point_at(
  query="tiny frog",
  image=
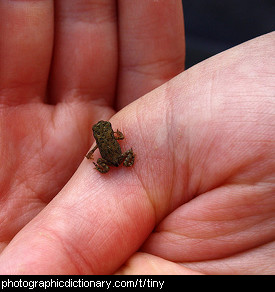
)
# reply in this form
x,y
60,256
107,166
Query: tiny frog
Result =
x,y
109,148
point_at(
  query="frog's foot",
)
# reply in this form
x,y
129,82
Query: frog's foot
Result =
x,y
101,165
119,136
129,158
89,155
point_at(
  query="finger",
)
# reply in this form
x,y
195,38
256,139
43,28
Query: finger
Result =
x,y
152,46
221,223
83,232
241,263
147,264
26,30
85,63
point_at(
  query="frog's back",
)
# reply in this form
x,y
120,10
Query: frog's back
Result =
x,y
112,154
107,144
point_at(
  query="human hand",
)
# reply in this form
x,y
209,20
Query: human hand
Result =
x,y
187,179
62,69
210,180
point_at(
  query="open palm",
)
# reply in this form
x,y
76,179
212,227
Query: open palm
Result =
x,y
201,187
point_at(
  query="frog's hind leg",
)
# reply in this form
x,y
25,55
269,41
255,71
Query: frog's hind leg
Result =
x,y
119,136
101,165
129,158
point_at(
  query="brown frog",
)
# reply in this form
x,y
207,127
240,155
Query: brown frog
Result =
x,y
109,148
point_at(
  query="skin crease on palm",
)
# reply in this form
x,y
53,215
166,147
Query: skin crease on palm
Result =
x,y
200,196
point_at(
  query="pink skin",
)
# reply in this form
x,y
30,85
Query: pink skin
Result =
x,y
200,196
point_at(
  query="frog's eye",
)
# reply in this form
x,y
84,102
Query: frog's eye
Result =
x,y
107,125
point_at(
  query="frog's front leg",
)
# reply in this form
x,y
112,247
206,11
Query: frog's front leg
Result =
x,y
89,155
129,158
119,136
101,165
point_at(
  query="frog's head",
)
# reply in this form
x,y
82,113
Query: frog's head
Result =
x,y
102,126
